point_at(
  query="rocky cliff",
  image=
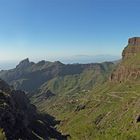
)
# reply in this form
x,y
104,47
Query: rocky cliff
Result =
x,y
129,68
20,120
132,48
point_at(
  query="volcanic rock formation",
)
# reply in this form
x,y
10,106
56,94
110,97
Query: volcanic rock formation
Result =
x,y
129,68
132,48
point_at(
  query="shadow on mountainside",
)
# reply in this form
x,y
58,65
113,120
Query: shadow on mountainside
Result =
x,y
20,120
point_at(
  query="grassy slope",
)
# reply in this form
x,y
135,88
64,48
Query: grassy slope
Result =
x,y
110,111
71,91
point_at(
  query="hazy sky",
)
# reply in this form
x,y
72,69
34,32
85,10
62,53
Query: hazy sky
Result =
x,y
50,29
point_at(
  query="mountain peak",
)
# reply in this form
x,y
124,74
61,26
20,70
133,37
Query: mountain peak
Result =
x,y
26,60
24,63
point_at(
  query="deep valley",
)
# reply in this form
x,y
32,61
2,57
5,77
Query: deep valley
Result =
x,y
97,101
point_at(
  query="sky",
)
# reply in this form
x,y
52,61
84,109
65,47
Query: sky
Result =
x,y
67,30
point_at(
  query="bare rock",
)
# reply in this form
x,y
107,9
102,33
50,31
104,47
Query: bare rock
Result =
x,y
129,68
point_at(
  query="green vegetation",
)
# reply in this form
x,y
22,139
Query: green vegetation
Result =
x,y
110,111
2,135
106,111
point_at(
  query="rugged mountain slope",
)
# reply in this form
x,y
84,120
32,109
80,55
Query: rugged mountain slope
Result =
x,y
129,68
20,120
108,111
101,109
57,77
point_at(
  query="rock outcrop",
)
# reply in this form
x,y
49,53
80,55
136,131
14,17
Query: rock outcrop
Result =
x,y
24,64
132,48
20,120
129,68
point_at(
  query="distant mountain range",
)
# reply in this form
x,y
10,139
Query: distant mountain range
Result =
x,y
30,76
82,59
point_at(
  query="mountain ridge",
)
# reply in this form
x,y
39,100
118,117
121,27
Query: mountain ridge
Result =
x,y
43,71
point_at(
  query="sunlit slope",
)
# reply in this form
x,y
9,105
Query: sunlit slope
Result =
x,y
108,111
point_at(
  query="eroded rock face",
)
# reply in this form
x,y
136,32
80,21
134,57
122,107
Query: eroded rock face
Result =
x,y
135,41
132,48
128,70
123,74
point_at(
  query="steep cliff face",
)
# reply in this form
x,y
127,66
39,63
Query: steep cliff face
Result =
x,y
129,68
132,48
20,120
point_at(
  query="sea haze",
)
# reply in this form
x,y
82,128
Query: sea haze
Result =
x,y
89,59
9,64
